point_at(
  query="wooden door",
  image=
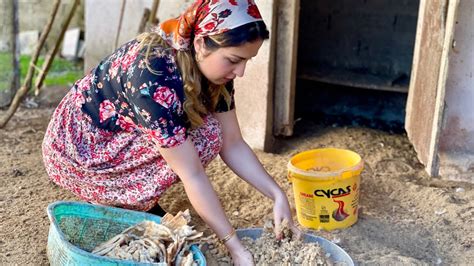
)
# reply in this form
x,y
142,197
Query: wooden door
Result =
x,y
425,105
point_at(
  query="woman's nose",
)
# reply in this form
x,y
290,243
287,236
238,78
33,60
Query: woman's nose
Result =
x,y
240,69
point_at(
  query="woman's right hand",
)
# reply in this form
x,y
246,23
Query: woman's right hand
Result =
x,y
243,258
240,255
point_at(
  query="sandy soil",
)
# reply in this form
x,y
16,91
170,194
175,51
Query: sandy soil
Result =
x,y
406,217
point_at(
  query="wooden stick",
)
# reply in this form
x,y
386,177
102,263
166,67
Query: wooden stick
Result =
x,y
152,19
149,17
145,17
119,29
21,93
50,57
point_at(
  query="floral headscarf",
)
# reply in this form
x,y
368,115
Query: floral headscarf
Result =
x,y
206,18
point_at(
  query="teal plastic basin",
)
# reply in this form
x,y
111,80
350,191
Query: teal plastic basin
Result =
x,y
77,228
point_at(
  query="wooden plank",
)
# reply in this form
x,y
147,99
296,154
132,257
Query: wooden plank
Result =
x,y
424,77
426,92
433,164
286,58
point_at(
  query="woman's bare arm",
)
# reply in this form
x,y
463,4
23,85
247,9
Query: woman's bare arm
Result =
x,y
185,162
237,154
242,160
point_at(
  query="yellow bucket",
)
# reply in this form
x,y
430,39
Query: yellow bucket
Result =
x,y
326,186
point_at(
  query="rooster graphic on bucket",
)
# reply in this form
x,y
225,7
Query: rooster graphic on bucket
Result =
x,y
339,214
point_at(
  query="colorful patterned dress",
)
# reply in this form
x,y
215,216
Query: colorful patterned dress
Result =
x,y
103,138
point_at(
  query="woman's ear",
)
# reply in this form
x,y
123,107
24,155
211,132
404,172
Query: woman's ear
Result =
x,y
199,45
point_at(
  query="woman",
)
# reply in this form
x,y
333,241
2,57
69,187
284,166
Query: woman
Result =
x,y
158,110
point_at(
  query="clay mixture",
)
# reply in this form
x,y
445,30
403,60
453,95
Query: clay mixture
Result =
x,y
405,216
268,250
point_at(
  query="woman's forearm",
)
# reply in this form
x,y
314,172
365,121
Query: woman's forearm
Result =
x,y
243,161
185,162
206,203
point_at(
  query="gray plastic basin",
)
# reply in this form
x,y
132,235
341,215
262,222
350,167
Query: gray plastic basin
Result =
x,y
337,254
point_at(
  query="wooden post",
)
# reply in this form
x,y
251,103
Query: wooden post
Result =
x,y
50,58
119,29
153,20
285,78
15,49
149,18
21,93
143,21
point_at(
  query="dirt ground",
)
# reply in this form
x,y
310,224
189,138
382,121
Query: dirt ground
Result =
x,y
405,217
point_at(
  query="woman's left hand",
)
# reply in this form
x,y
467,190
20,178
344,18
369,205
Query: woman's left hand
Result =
x,y
281,212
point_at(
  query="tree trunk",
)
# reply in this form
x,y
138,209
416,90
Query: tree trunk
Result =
x,y
9,78
15,49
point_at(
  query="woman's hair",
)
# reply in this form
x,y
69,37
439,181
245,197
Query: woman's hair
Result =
x,y
201,101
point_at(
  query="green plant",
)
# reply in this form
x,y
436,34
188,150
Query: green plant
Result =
x,y
62,72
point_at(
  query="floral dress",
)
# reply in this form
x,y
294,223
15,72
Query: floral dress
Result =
x,y
103,138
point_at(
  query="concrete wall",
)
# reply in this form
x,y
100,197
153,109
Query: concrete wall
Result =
x,y
6,30
34,14
254,92
102,21
457,138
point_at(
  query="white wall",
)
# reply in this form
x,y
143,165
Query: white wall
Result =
x,y
33,16
254,91
102,21
457,138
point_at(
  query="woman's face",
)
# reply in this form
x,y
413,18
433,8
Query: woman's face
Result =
x,y
224,64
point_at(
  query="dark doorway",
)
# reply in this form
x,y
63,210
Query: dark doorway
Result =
x,y
354,62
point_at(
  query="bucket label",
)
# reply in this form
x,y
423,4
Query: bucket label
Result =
x,y
333,193
326,204
307,206
324,215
